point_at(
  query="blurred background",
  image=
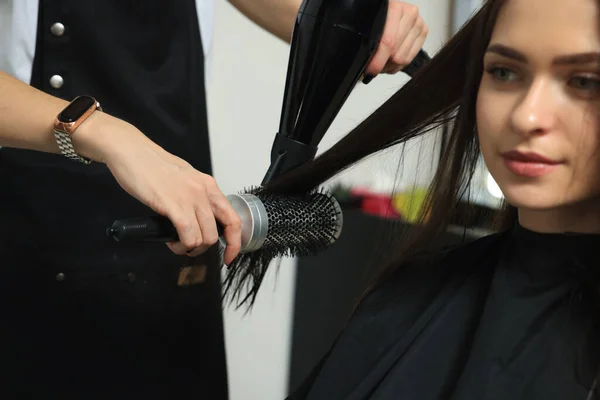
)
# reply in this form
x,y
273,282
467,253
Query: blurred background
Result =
x,y
271,348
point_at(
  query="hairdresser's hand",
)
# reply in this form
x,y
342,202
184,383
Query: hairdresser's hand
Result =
x,y
167,184
403,36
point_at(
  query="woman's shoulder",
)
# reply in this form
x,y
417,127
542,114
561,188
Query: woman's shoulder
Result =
x,y
460,259
467,264
401,306
469,253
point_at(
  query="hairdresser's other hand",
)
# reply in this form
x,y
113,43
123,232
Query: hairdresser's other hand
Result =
x,y
167,184
403,36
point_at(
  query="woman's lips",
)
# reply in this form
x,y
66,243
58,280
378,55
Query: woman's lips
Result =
x,y
531,165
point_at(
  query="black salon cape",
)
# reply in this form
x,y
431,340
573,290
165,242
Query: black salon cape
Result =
x,y
503,318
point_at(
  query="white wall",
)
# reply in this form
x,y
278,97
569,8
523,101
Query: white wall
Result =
x,y
244,94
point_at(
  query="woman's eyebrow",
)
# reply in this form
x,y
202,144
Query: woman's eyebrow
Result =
x,y
568,59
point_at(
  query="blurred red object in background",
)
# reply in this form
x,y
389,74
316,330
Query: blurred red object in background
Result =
x,y
378,204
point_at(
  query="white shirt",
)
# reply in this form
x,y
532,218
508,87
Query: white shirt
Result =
x,y
18,28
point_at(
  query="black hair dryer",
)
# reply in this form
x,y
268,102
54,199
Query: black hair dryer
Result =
x,y
333,42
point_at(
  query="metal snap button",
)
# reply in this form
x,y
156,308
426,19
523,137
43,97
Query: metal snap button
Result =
x,y
57,29
56,81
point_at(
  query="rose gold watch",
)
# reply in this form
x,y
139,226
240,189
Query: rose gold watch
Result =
x,y
69,120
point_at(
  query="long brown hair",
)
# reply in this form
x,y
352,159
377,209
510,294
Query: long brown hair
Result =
x,y
443,93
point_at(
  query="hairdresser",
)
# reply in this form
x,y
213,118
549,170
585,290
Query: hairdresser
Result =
x,y
80,313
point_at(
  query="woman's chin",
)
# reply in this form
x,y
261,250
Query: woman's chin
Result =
x,y
534,198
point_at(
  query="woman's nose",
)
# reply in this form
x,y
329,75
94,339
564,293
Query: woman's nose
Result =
x,y
535,113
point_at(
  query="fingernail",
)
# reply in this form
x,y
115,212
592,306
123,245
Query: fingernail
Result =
x,y
367,79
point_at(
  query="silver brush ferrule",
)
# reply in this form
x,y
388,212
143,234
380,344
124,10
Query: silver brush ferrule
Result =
x,y
339,221
255,223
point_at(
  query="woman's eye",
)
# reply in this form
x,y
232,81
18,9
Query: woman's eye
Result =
x,y
585,83
503,74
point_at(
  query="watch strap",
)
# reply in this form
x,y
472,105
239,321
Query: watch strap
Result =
x,y
63,139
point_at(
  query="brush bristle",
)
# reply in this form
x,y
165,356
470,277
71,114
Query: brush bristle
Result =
x,y
298,226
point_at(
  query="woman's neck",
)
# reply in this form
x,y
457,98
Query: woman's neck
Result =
x,y
577,218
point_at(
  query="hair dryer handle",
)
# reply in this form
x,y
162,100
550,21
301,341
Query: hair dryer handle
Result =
x,y
417,63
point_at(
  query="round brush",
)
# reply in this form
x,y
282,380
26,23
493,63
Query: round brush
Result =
x,y
273,226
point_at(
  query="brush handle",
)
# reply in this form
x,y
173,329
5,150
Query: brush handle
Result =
x,y
156,228
146,229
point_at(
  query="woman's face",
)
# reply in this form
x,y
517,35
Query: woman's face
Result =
x,y
538,112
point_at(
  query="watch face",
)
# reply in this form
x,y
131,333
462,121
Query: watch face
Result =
x,y
76,109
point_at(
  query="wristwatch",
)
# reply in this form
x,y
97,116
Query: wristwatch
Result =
x,y
69,120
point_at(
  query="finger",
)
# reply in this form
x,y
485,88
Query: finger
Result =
x,y
405,23
208,226
188,230
197,251
205,220
179,248
417,45
402,57
378,62
386,45
232,226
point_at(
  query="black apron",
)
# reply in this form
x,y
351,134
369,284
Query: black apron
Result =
x,y
82,315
